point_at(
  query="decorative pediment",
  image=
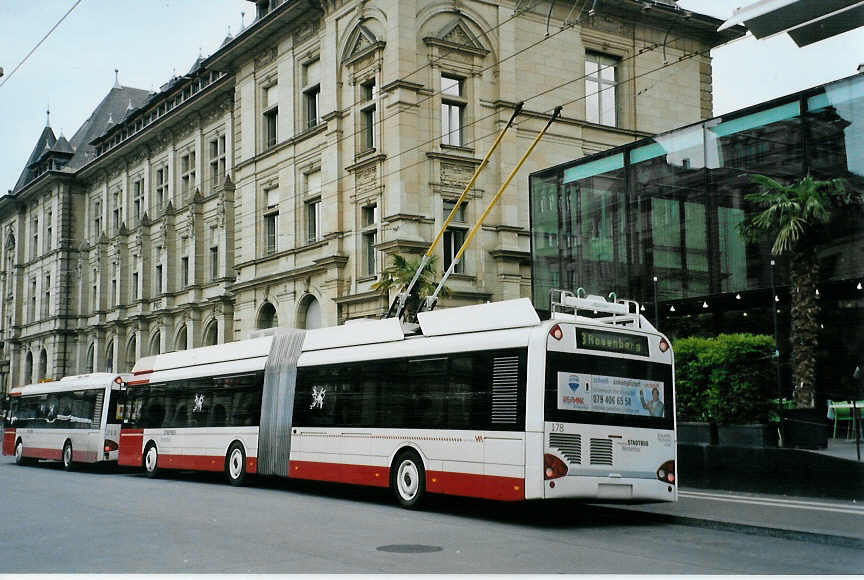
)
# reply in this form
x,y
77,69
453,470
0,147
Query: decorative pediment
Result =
x,y
360,43
457,35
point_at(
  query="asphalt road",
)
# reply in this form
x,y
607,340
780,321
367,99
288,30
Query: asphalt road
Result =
x,y
95,520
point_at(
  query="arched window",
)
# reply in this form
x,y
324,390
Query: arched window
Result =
x,y
211,334
28,368
310,313
109,358
43,365
131,345
156,343
181,342
88,362
267,317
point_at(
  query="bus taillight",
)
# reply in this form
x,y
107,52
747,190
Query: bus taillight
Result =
x,y
664,345
556,332
110,445
667,472
553,468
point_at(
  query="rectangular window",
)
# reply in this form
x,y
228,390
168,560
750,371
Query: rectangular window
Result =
x,y
453,240
454,236
214,263
158,281
46,302
313,219
312,93
271,116
49,228
161,189
184,270
94,292
115,212
367,113
97,217
34,249
369,222
217,160
453,104
114,297
134,286
32,313
600,89
271,221
187,174
137,200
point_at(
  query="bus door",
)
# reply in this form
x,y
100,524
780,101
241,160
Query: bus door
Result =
x,y
113,421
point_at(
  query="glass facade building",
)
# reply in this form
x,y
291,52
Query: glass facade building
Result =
x,y
658,221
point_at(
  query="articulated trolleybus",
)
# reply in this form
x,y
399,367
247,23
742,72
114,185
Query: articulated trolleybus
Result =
x,y
73,420
483,401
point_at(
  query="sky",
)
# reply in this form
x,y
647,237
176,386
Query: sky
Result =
x,y
150,40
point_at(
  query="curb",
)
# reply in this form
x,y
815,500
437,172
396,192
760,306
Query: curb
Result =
x,y
749,529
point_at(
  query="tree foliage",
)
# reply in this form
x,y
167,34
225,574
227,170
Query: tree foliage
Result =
x,y
793,217
399,273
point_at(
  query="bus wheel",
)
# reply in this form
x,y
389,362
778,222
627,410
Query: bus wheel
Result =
x,y
408,479
67,456
19,454
235,464
151,460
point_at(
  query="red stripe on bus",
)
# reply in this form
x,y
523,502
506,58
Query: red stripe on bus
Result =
x,y
9,441
138,382
475,485
251,465
341,473
193,462
14,394
136,373
464,484
43,453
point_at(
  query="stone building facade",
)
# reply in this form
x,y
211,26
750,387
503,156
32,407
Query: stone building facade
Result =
x,y
270,184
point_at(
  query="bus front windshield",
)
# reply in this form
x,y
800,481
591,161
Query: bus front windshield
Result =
x,y
604,390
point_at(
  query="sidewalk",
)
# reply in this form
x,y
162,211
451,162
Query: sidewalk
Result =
x,y
808,519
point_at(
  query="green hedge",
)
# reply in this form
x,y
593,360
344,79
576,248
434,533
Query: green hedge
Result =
x,y
728,379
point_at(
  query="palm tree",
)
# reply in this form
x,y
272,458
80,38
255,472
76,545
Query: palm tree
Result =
x,y
399,274
793,217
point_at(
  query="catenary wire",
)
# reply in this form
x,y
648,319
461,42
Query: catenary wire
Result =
x,y
38,44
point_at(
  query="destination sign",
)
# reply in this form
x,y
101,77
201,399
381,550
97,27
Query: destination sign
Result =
x,y
611,341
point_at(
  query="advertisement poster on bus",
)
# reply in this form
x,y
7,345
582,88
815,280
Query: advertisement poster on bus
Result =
x,y
604,394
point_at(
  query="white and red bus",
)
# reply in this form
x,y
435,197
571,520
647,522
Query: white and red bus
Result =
x,y
73,420
483,401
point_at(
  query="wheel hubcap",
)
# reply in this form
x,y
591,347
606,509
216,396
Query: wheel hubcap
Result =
x,y
151,459
408,480
67,455
19,452
235,464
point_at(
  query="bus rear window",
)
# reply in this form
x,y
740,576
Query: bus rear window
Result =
x,y
611,391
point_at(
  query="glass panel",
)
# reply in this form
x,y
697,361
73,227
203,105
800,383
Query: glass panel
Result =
x,y
451,86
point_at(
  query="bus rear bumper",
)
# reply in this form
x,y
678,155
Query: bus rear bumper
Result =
x,y
611,489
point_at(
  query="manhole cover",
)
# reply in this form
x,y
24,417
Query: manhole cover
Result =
x,y
409,548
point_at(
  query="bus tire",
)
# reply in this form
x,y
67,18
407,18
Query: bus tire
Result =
x,y
151,460
19,454
235,464
408,479
67,456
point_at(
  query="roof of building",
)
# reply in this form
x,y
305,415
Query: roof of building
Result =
x,y
113,107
